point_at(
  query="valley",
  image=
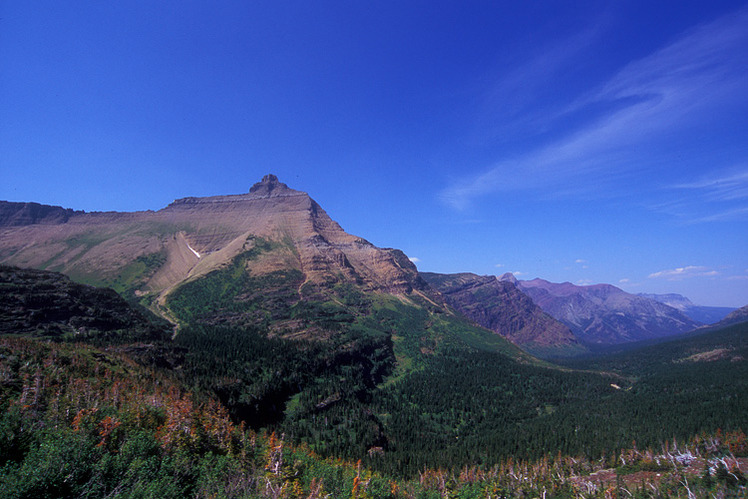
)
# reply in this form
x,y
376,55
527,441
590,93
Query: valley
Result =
x,y
257,318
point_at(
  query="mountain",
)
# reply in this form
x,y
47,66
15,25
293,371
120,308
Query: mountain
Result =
x,y
734,317
500,306
699,313
602,314
153,252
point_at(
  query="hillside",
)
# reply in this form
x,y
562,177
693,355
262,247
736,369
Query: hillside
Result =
x,y
734,317
602,314
49,305
499,306
456,404
76,421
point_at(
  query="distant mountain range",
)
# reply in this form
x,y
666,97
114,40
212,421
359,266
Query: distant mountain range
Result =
x,y
699,313
603,314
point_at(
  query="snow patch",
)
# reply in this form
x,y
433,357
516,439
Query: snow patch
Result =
x,y
195,252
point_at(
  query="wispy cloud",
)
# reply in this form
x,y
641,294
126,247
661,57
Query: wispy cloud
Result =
x,y
731,214
681,273
725,187
713,198
698,74
414,259
530,78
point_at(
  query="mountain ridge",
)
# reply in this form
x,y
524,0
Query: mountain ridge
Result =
x,y
193,236
602,314
500,306
148,254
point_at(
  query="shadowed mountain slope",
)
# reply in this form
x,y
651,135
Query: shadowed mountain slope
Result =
x,y
18,214
47,304
735,317
499,306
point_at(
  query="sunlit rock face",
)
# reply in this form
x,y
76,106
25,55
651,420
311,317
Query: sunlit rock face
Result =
x,y
195,235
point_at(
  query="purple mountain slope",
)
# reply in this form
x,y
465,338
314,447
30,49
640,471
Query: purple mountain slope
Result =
x,y
603,314
735,317
500,306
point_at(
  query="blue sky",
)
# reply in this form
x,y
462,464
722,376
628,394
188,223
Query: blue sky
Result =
x,y
604,142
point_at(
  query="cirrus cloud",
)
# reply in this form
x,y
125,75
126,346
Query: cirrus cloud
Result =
x,y
680,85
681,273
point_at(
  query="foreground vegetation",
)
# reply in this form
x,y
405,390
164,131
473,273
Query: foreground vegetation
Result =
x,y
81,422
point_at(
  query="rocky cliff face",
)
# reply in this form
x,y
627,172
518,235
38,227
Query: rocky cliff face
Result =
x,y
499,306
155,251
605,315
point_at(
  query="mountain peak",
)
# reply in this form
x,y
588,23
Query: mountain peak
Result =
x,y
269,185
509,277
